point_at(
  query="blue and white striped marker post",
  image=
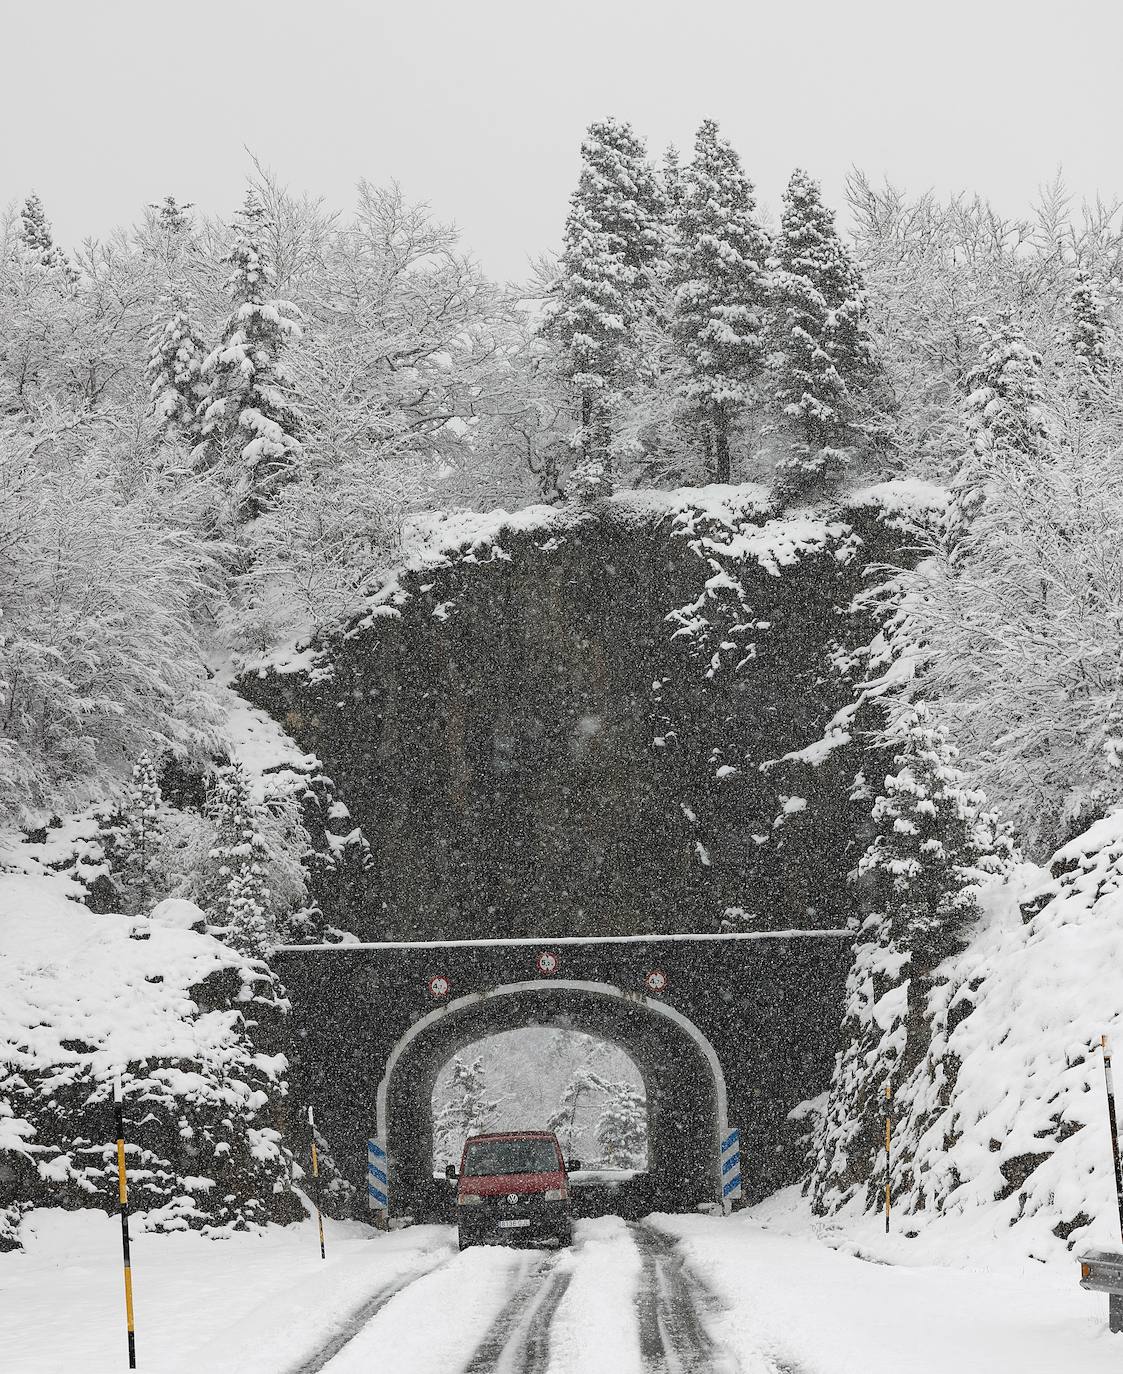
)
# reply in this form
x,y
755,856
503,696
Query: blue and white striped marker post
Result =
x,y
730,1168
378,1178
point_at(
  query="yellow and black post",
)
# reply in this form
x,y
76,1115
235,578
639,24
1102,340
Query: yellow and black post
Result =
x,y
123,1197
888,1137
1114,1127
316,1180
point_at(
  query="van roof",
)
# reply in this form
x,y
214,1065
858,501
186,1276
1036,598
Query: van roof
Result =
x,y
513,1135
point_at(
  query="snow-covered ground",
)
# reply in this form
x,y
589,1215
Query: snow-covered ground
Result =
x,y
764,1292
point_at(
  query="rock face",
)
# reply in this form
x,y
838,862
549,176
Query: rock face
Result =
x,y
557,724
195,1032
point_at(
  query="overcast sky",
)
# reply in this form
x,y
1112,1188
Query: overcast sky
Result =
x,y
478,106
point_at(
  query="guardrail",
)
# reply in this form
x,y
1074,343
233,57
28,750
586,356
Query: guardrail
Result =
x,y
1101,1271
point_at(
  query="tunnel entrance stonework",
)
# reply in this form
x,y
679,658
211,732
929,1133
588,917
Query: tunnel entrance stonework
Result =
x,y
727,1030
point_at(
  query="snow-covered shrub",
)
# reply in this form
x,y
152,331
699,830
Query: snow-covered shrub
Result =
x,y
195,1030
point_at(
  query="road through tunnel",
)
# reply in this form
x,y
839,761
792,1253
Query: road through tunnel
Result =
x,y
736,1030
683,1081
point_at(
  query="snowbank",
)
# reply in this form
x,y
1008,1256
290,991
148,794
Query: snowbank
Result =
x,y
1002,1129
193,1028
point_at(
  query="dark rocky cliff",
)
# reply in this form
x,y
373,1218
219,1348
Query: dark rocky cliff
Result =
x,y
558,724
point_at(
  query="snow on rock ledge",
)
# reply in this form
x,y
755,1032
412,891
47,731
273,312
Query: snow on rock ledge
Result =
x,y
193,1027
1022,1134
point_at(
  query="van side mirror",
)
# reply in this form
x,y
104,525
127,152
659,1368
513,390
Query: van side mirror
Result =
x,y
450,1172
572,1165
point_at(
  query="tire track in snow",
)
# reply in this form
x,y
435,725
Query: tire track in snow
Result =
x,y
674,1338
354,1323
518,1341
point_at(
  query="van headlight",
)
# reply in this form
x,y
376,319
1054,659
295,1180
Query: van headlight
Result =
x,y
554,1195
469,1200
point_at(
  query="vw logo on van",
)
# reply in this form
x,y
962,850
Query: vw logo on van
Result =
x,y
512,1197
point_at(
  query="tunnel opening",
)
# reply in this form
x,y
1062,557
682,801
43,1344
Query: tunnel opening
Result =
x,y
586,1089
683,1087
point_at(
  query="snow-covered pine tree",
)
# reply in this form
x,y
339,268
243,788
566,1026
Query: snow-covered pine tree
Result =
x,y
933,843
247,417
621,1129
37,238
613,241
172,217
469,1109
674,184
1089,332
720,290
240,899
1004,420
821,352
175,368
137,836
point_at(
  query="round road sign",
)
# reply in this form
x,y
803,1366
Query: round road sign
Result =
x,y
656,981
439,985
547,962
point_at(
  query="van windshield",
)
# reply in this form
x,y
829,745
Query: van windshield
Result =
x,y
487,1158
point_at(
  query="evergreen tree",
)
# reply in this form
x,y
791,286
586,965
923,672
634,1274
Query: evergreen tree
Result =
x,y
1004,420
138,839
674,184
240,899
247,415
933,843
621,1129
38,240
1089,331
718,273
613,241
175,368
130,840
821,351
172,217
468,1110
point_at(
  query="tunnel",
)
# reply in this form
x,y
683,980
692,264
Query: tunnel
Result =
x,y
683,1080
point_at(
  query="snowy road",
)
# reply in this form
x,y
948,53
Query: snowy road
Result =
x,y
620,1300
752,1294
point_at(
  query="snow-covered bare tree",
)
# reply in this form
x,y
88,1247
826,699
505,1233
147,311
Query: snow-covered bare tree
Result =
x,y
103,597
720,293
613,241
1017,627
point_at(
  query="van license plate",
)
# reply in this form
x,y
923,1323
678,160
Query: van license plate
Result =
x,y
511,1222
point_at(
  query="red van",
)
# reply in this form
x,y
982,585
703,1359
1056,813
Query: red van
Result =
x,y
513,1187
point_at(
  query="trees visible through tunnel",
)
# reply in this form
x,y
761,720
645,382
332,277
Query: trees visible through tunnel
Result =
x,y
588,1090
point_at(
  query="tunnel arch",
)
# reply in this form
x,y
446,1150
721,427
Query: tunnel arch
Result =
x,y
686,1088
